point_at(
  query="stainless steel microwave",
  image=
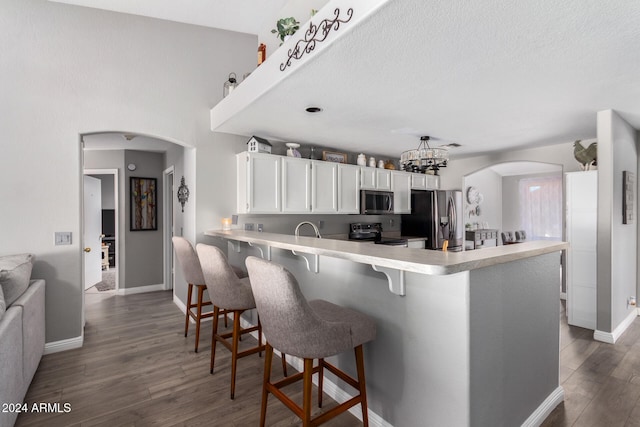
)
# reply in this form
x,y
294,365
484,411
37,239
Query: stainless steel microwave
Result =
x,y
376,202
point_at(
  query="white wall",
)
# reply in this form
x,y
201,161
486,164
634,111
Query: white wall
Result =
x,y
489,184
561,154
617,242
76,70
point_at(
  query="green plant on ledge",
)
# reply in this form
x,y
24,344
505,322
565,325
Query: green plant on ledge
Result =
x,y
286,27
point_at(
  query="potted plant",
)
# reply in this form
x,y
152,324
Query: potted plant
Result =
x,y
286,27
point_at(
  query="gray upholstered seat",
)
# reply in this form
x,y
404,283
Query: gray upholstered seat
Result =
x,y
231,294
309,330
192,272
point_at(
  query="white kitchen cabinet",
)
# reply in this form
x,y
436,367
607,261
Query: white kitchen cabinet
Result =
x,y
324,187
581,222
375,179
296,185
433,182
367,178
401,186
258,183
421,181
348,189
383,179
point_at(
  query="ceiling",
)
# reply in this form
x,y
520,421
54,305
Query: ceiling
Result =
x,y
244,16
488,75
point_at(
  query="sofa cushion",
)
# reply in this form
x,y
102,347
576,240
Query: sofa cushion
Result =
x,y
15,271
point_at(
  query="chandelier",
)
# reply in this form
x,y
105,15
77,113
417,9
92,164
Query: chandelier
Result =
x,y
424,158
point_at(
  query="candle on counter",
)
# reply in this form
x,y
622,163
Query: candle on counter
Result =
x,y
226,223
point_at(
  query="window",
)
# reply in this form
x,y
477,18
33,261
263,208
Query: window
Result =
x,y
541,207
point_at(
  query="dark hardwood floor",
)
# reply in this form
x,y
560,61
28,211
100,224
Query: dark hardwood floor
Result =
x,y
601,381
136,368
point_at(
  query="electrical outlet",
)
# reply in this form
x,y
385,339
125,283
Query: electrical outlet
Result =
x,y
391,221
320,224
260,227
234,219
248,227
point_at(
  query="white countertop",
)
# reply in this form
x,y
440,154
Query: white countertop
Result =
x,y
414,260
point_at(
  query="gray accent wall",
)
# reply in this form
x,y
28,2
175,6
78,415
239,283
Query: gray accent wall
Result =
x,y
617,242
77,70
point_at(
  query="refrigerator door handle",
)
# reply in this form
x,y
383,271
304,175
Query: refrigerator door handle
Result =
x,y
453,219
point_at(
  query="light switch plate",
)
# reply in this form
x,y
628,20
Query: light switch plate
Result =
x,y
62,238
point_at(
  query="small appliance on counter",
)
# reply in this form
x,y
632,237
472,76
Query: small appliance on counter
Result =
x,y
372,231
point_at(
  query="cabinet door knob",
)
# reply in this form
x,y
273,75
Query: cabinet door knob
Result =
x,y
87,249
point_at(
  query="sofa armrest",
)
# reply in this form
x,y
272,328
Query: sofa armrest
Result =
x,y
33,327
11,363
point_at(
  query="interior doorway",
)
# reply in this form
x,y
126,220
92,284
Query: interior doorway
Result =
x,y
108,223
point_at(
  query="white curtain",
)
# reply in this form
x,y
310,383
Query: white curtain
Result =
x,y
541,207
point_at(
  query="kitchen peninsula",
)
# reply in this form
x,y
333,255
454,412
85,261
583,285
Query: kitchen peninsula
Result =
x,y
464,339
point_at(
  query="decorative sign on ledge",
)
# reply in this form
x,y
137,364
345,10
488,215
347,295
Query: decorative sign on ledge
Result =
x,y
315,34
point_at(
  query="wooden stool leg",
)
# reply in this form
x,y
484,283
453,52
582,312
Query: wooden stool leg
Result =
x,y
320,381
234,351
186,323
199,315
284,363
268,356
306,392
214,332
363,386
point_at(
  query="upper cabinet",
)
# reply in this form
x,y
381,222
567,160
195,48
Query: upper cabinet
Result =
x,y
348,189
296,185
401,184
276,184
375,179
324,187
421,181
258,183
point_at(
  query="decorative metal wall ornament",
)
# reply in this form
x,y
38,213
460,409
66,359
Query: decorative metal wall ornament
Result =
x,y
315,34
183,193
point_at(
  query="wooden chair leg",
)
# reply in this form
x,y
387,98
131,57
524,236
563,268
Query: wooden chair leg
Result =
x,y
306,392
320,381
284,363
268,356
234,351
199,315
362,384
186,323
214,332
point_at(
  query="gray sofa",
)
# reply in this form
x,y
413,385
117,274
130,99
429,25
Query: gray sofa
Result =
x,y
21,330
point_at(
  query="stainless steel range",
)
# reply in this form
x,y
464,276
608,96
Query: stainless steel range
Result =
x,y
372,231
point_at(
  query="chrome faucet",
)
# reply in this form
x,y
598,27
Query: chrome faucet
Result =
x,y
312,225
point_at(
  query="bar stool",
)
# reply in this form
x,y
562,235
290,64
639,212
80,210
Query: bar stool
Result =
x,y
233,295
310,330
192,272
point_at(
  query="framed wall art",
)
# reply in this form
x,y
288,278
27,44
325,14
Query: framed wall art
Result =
x,y
144,208
331,156
628,188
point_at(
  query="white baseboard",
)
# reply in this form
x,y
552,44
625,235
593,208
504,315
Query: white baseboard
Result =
x,y
329,387
63,345
140,289
612,337
542,412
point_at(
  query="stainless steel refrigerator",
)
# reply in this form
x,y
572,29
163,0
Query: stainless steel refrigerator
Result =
x,y
436,215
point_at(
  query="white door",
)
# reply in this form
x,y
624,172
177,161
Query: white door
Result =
x,y
92,231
